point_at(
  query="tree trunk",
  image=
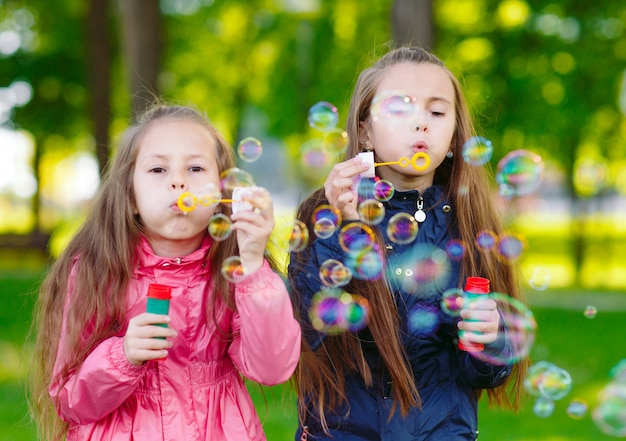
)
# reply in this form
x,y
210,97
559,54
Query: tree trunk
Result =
x,y
412,23
99,69
141,43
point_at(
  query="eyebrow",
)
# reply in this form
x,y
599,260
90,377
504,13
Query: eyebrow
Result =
x,y
186,157
439,98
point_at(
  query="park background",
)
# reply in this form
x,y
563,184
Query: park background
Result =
x,y
545,76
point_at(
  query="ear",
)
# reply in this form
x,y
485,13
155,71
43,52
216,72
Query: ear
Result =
x,y
364,134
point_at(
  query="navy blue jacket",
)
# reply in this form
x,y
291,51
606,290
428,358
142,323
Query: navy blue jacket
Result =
x,y
446,377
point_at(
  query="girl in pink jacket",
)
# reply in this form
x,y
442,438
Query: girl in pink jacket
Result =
x,y
104,368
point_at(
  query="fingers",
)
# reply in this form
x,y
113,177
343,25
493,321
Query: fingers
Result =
x,y
339,187
480,321
145,340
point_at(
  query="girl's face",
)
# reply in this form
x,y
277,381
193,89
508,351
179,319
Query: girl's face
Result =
x,y
429,131
174,157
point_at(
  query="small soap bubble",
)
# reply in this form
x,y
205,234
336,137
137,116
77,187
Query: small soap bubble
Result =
x,y
510,246
455,249
232,268
220,227
516,333
547,380
334,311
334,274
426,269
555,384
371,211
323,116
325,221
335,140
543,407
235,177
422,320
451,301
591,312
486,240
356,237
540,279
315,158
477,150
366,264
577,408
383,190
610,413
393,107
249,149
591,175
299,237
209,195
519,173
357,313
402,228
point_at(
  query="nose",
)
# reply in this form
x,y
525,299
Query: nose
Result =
x,y
423,127
177,181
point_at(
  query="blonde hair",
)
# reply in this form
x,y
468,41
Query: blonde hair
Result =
x,y
106,244
320,375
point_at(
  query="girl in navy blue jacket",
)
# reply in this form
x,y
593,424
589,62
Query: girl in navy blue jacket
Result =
x,y
403,376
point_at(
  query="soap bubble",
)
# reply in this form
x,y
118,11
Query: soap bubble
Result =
x,y
334,274
232,269
383,190
402,228
334,311
516,334
323,116
477,150
519,173
326,219
249,149
235,177
220,227
591,312
577,408
393,107
299,237
371,211
355,237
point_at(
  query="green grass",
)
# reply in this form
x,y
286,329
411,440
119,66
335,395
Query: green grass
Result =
x,y
586,348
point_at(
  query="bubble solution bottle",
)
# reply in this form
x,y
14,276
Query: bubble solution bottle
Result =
x,y
159,302
474,288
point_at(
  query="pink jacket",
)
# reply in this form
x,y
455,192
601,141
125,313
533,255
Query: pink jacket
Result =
x,y
197,393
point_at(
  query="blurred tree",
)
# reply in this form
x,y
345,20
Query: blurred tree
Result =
x,y
141,44
541,76
99,59
412,23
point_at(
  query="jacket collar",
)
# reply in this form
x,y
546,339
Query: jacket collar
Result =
x,y
147,261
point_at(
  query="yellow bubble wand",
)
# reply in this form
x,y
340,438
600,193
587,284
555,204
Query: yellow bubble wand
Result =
x,y
404,162
187,201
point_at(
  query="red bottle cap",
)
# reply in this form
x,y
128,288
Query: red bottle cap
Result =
x,y
161,292
477,285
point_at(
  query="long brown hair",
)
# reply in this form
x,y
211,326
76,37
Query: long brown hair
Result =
x,y
106,244
320,375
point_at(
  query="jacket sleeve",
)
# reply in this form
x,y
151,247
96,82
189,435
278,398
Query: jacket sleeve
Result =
x,y
479,371
266,347
100,385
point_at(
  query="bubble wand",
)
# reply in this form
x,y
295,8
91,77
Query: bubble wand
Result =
x,y
368,158
187,201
